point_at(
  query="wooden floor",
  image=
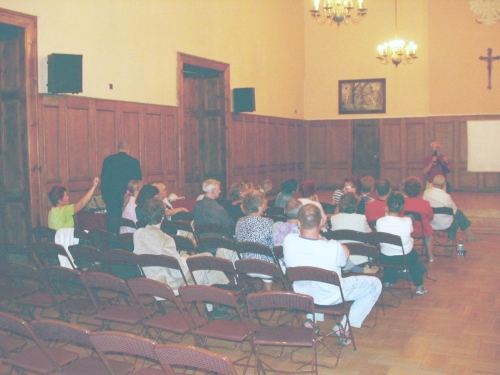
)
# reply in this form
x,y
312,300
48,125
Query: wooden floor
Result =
x,y
454,329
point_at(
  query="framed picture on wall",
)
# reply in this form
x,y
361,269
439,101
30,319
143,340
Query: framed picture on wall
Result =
x,y
360,96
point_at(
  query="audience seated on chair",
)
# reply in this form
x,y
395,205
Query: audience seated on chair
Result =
x,y
376,208
390,254
287,189
307,189
238,190
162,195
255,227
438,197
129,204
309,249
61,214
151,240
367,187
208,211
352,184
282,229
412,187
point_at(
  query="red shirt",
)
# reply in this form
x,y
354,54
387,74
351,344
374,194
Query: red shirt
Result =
x,y
418,205
374,210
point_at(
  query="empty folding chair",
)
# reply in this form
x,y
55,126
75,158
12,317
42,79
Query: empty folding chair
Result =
x,y
67,282
127,241
205,230
344,235
293,335
212,244
44,234
38,358
67,333
129,345
170,315
236,330
120,263
200,263
33,291
85,257
338,311
173,356
165,261
102,239
122,308
10,252
183,243
185,216
48,254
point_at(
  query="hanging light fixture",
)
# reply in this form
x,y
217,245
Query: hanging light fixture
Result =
x,y
338,11
397,51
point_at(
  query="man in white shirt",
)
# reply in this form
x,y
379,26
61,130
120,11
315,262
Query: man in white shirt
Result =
x,y
309,249
438,197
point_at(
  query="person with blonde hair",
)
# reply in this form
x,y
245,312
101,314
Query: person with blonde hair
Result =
x,y
129,204
162,195
266,186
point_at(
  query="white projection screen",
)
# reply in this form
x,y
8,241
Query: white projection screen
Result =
x,y
483,146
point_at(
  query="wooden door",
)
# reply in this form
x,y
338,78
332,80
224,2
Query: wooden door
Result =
x,y
365,149
204,128
15,214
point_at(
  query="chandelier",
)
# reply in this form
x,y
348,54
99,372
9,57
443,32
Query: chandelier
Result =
x,y
338,11
397,51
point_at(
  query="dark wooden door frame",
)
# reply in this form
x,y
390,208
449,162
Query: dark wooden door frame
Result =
x,y
210,64
29,24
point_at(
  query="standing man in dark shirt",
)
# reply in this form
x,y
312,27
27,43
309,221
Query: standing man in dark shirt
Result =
x,y
117,171
436,164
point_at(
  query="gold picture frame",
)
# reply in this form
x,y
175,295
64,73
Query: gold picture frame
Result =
x,y
359,96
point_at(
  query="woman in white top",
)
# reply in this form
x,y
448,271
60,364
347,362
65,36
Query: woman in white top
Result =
x,y
128,210
391,254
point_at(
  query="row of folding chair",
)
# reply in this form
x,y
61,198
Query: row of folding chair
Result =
x,y
112,300
43,358
368,244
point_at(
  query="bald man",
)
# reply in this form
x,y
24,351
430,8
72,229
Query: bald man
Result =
x,y
117,171
438,197
435,164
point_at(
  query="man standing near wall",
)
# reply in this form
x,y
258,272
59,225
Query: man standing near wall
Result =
x,y
436,164
117,171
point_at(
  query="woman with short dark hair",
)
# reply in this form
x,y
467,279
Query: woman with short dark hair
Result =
x,y
412,187
400,226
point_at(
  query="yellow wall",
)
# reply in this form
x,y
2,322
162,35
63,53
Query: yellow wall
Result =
x,y
458,79
349,52
134,43
276,47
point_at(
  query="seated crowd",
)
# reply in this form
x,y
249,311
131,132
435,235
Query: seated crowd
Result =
x,y
300,231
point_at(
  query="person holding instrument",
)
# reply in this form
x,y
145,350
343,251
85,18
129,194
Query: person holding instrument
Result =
x,y
436,164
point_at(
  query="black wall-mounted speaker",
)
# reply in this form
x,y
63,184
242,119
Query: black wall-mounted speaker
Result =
x,y
65,73
244,99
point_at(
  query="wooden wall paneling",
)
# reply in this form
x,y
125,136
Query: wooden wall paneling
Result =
x,y
172,151
78,145
281,148
260,139
415,146
318,152
340,152
236,167
248,149
131,128
52,158
154,140
272,161
464,180
391,152
303,145
107,131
